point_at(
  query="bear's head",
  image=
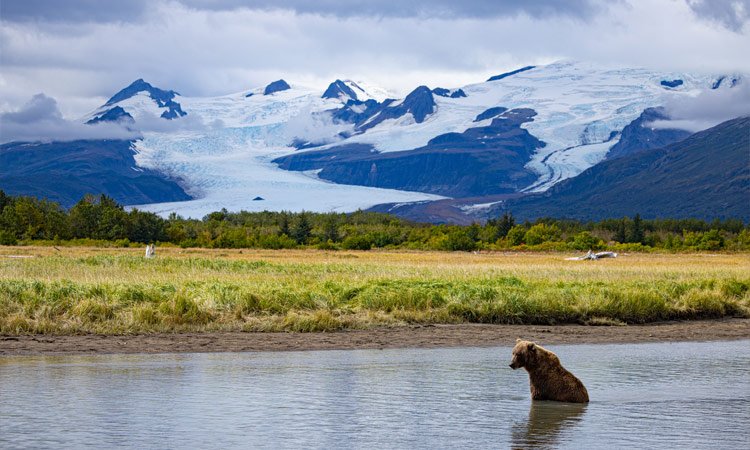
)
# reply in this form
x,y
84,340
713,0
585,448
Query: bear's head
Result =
x,y
524,354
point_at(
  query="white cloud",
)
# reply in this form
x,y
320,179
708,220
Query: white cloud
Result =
x,y
732,14
313,127
707,109
40,120
191,122
77,11
212,52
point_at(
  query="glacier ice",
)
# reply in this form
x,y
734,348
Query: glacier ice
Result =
x,y
580,109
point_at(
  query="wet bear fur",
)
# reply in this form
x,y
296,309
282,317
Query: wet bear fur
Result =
x,y
548,379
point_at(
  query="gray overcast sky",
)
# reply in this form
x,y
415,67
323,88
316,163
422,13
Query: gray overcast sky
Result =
x,y
80,52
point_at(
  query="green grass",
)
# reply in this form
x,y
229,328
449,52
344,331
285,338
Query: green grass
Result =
x,y
116,291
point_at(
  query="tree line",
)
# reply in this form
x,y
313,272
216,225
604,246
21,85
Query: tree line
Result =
x,y
99,220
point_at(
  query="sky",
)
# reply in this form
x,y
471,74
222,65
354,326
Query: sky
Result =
x,y
78,53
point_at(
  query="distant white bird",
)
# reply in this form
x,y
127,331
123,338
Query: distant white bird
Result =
x,y
150,251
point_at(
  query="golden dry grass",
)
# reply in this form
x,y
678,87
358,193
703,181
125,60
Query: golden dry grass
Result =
x,y
77,290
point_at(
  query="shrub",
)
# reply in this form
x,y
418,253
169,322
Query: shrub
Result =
x,y
359,242
457,240
585,241
327,245
516,236
7,238
542,232
711,240
275,242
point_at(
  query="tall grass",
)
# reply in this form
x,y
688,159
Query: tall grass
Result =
x,y
118,291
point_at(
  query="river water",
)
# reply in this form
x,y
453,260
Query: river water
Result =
x,y
671,395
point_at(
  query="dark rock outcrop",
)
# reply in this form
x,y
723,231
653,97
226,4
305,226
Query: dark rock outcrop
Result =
x,y
443,92
276,86
115,114
671,83
638,135
419,103
338,89
480,161
490,113
511,73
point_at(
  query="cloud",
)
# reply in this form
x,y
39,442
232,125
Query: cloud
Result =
x,y
40,120
317,127
73,11
412,8
733,14
707,109
148,122
78,11
215,47
39,108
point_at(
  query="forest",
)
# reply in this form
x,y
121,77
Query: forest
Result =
x,y
101,221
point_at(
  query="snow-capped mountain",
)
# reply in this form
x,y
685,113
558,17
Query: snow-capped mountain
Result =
x,y
222,156
580,110
349,147
137,102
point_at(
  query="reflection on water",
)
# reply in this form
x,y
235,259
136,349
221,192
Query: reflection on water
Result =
x,y
687,395
547,420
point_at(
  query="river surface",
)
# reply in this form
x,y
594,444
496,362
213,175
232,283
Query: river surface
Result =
x,y
671,395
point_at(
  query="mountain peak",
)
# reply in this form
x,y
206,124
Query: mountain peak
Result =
x,y
140,85
276,86
443,92
420,103
162,98
340,90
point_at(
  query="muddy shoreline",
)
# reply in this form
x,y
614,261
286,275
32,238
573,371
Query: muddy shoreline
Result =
x,y
432,336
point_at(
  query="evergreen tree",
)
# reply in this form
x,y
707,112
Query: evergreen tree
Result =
x,y
472,232
504,225
4,200
284,224
620,234
636,232
146,227
83,217
302,229
330,228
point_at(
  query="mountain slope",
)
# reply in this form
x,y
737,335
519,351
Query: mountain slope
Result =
x,y
704,176
64,172
484,160
639,135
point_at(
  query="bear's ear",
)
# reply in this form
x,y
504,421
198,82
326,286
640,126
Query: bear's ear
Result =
x,y
531,346
518,340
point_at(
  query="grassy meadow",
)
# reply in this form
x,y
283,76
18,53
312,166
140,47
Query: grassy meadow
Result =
x,y
117,291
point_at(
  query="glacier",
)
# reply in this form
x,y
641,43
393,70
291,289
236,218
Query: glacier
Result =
x,y
223,158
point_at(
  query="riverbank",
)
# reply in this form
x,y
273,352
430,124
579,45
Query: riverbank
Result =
x,y
429,336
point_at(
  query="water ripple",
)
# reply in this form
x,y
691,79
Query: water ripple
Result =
x,y
686,395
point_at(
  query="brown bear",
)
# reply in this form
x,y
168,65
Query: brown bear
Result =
x,y
548,378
